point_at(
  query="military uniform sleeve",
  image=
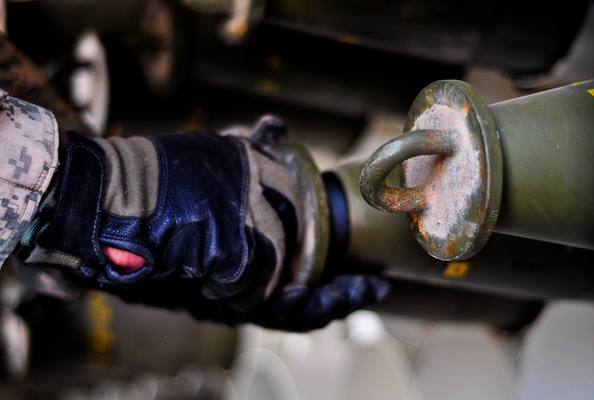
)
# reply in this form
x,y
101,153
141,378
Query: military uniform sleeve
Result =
x,y
28,160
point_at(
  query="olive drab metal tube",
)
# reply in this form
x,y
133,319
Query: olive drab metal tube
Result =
x,y
547,143
523,167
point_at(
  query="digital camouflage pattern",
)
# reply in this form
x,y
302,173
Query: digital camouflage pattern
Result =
x,y
29,159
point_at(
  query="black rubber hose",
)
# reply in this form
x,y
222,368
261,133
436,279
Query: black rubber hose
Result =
x,y
339,224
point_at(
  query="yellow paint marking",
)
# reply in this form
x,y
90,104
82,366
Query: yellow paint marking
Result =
x,y
456,269
580,82
101,335
591,91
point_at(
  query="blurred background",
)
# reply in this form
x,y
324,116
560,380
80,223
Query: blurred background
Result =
x,y
342,74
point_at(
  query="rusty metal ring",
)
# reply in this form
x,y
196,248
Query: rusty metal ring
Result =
x,y
382,162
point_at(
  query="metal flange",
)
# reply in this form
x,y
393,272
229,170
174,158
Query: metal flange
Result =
x,y
451,172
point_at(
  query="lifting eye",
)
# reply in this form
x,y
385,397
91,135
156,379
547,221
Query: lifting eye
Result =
x,y
128,262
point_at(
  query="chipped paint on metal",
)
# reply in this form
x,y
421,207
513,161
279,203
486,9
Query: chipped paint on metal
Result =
x,y
450,181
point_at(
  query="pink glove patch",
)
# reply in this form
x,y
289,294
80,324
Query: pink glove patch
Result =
x,y
127,261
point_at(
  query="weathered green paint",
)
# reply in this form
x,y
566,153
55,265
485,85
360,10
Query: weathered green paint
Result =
x,y
547,142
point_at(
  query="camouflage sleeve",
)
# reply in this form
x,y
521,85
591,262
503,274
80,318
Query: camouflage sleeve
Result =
x,y
28,161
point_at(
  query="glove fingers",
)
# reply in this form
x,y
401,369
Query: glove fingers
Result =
x,y
343,296
335,300
255,285
279,309
363,289
270,130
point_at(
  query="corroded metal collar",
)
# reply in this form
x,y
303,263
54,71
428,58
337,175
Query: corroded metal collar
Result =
x,y
451,171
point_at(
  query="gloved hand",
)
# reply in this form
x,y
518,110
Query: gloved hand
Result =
x,y
200,221
294,307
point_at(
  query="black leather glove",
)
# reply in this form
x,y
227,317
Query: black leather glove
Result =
x,y
295,307
200,221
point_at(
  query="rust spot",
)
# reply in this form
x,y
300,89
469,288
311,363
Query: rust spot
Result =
x,y
403,199
450,180
451,247
418,227
465,107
